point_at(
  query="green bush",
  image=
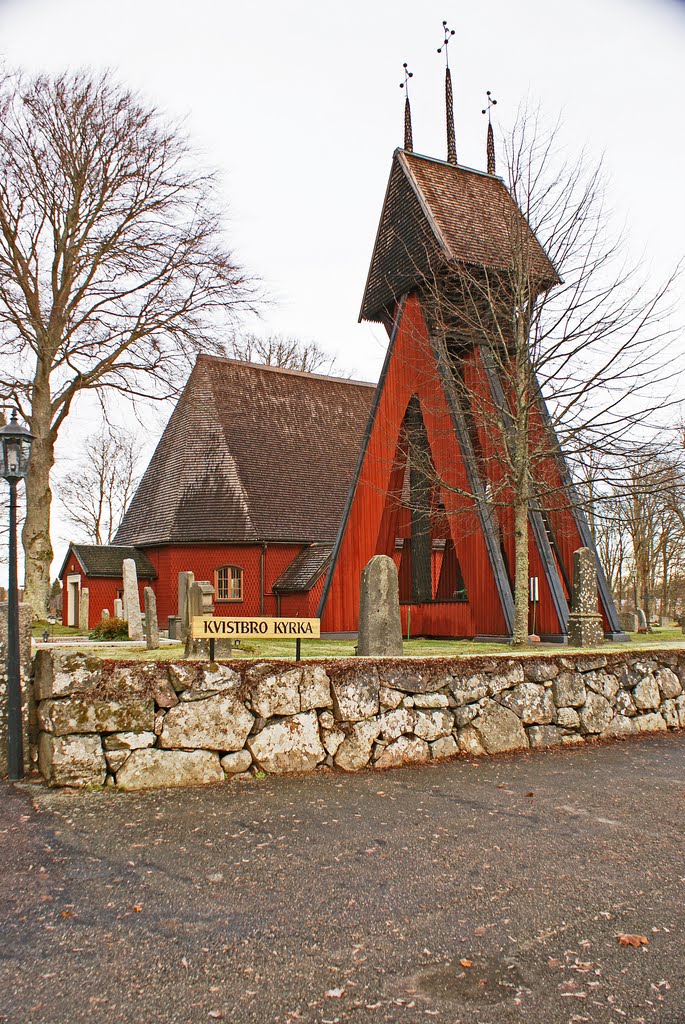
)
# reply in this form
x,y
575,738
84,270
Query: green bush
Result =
x,y
110,629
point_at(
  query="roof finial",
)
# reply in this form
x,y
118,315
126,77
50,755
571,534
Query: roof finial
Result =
x,y
491,134
449,100
408,138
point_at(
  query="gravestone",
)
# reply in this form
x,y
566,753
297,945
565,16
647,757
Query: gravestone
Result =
x,y
641,621
200,602
185,582
380,629
174,627
105,614
84,609
585,627
131,600
118,608
151,623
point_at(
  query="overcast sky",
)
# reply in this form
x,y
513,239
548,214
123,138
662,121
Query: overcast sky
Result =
x,y
298,107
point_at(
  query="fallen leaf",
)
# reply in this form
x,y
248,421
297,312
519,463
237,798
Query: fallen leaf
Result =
x,y
216,1014
65,913
530,794
466,963
335,993
632,940
137,908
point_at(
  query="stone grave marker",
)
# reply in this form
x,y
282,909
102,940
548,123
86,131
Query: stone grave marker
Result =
x,y
131,600
200,602
185,582
151,622
105,614
641,621
380,629
84,609
585,627
118,608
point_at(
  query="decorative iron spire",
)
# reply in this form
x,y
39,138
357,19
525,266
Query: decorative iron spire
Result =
x,y
408,138
491,134
449,100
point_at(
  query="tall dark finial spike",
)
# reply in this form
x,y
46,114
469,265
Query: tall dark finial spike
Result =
x,y
449,97
408,137
449,118
492,169
491,134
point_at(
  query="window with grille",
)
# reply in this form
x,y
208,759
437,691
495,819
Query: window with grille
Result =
x,y
229,583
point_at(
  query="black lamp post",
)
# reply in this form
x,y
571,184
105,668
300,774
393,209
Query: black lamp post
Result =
x,y
15,448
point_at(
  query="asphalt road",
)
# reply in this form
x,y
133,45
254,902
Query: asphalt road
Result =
x,y
475,892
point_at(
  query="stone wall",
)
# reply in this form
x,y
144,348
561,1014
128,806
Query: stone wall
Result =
x,y
138,725
28,706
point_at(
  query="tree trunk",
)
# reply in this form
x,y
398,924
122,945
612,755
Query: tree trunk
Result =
x,y
36,533
521,573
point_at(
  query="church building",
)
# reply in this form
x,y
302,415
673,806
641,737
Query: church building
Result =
x,y
278,486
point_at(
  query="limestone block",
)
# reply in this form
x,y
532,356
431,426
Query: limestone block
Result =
x,y
234,764
128,740
331,739
354,752
669,712
217,678
152,768
443,748
413,676
71,760
405,750
380,629
618,727
625,705
390,698
462,716
468,741
646,694
220,722
680,704
356,695
83,715
132,600
596,713
499,729
568,718
115,759
668,683
504,675
289,745
605,683
468,691
396,723
433,725
326,720
544,736
315,688
182,677
57,674
568,690
431,700
531,702
163,693
650,723
587,663
539,670
273,693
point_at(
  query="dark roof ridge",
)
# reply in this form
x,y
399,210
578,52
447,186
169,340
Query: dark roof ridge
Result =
x,y
284,370
445,163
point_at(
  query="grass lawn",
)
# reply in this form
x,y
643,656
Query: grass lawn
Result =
x,y
270,649
55,629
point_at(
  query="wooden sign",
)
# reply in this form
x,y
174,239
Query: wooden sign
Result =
x,y
209,627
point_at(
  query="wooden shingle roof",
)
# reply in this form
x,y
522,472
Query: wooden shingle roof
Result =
x,y
437,209
251,453
106,560
304,570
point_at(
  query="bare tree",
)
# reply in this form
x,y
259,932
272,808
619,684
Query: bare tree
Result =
x,y
95,494
281,350
550,359
113,270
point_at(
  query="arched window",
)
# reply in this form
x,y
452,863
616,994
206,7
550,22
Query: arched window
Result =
x,y
229,583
